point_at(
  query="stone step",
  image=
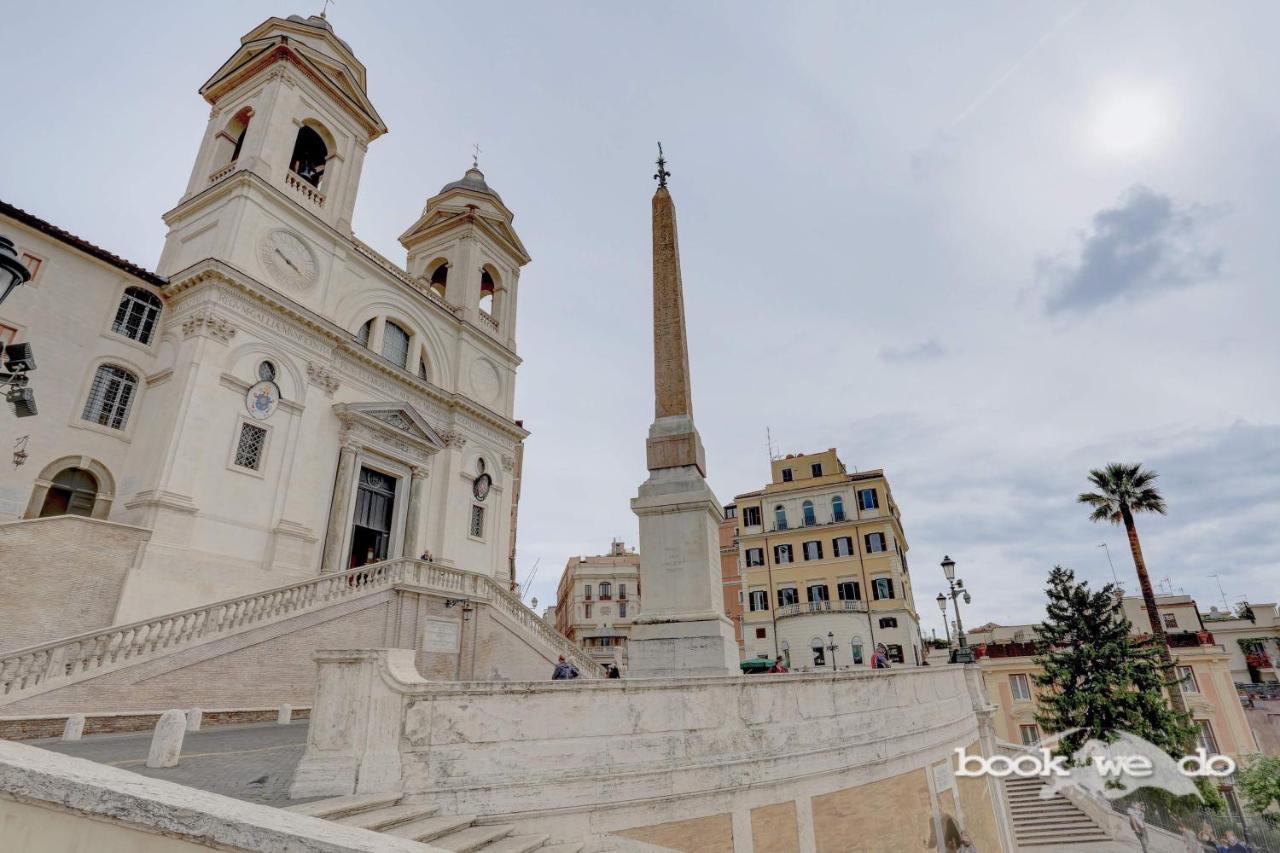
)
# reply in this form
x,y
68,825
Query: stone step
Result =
x,y
570,847
472,838
1068,822
516,844
385,818
1036,808
336,807
430,828
1060,834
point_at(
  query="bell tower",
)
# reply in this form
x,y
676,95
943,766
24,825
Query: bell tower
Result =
x,y
289,111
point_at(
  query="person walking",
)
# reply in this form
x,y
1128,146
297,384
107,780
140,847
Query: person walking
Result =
x,y
966,844
564,670
880,660
614,672
778,665
1138,823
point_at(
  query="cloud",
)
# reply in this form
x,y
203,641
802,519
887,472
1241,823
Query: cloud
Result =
x,y
1146,244
927,351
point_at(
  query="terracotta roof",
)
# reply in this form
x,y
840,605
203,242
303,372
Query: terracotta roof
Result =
x,y
80,243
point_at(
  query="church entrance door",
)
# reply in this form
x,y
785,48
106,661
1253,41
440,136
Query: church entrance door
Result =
x,y
375,509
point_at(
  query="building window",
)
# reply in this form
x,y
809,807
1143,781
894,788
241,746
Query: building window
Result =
x,y
1205,738
751,516
622,592
110,397
137,315
1029,735
74,492
32,263
875,543
867,499
786,475
848,591
882,588
818,592
755,557
309,156
758,599
810,517
788,595
395,343
782,554
894,653
780,517
1170,620
622,610
477,521
586,592
819,652
487,288
731,511
813,550
1020,686
1187,680
857,650
440,279
889,622
365,331
761,633
837,508
842,546
816,469
267,372
249,447
606,591
586,611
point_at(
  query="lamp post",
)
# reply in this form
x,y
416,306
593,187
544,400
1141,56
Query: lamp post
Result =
x,y
12,271
831,647
942,605
962,654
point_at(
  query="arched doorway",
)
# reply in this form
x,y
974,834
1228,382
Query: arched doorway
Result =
x,y
73,491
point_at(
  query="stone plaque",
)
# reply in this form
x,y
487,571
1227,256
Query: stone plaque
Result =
x,y
440,635
943,779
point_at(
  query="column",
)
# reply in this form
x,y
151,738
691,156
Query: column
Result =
x,y
339,510
413,515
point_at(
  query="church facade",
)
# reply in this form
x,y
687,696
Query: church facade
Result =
x,y
277,400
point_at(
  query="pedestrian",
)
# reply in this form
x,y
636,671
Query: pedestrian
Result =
x,y
1138,823
966,844
1232,844
1190,843
778,665
880,660
564,670
614,672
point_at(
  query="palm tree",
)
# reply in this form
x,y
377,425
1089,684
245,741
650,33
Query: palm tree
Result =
x,y
1124,490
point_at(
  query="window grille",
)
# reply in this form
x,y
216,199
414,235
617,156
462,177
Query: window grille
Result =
x,y
110,397
137,315
249,448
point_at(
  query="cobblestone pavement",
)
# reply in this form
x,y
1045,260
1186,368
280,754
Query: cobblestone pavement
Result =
x,y
253,761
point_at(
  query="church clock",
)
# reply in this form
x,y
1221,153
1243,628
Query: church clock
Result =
x,y
287,259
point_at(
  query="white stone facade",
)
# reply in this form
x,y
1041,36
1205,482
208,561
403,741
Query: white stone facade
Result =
x,y
389,430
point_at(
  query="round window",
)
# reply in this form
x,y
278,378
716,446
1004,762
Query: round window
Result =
x,y
267,371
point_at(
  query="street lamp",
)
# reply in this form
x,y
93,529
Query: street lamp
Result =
x,y
942,605
831,647
12,271
963,654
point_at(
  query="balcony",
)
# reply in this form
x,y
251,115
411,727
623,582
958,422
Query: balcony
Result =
x,y
304,188
805,607
1008,650
606,596
1190,639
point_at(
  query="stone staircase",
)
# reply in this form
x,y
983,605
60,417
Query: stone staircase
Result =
x,y
37,669
423,823
1055,822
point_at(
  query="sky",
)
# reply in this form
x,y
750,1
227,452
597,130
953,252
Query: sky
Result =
x,y
983,246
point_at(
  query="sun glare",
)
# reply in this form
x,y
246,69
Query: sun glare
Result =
x,y
1130,121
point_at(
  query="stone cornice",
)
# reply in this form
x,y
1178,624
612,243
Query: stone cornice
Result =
x,y
336,339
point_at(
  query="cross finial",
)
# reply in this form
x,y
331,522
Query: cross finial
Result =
x,y
663,174
325,8
475,155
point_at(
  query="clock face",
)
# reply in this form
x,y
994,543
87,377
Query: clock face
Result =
x,y
287,259
480,486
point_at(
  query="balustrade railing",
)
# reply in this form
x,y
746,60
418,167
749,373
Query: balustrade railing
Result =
x,y
304,188
821,607
25,670
219,174
489,320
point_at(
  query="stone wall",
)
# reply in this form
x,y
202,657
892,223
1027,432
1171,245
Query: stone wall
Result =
x,y
31,728
62,576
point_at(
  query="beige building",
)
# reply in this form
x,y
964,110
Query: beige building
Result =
x,y
824,562
277,400
596,601
1005,655
1252,644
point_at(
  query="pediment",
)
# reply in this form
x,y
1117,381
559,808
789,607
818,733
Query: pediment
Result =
x,y
396,420
437,220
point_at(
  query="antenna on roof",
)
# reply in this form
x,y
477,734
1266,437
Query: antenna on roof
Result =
x,y
325,8
773,454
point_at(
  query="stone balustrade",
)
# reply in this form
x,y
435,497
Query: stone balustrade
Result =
x,y
304,188
37,668
219,174
487,319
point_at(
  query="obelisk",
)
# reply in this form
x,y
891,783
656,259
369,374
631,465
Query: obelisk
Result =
x,y
682,629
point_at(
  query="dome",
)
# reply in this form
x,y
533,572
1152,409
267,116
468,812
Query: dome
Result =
x,y
473,180
318,21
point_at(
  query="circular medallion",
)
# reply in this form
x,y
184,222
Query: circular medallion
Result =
x,y
480,486
261,400
287,259
485,383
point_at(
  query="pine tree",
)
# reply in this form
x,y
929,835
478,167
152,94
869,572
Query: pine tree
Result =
x,y
1098,677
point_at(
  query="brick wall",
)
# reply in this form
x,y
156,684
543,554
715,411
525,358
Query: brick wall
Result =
x,y
61,576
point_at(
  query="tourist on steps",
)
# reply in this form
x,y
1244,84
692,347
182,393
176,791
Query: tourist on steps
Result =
x,y
564,670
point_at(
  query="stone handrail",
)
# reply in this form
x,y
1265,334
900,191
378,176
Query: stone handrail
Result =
x,y
303,187
219,174
35,668
383,262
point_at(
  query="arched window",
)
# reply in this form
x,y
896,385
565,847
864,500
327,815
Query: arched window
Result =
x,y
487,289
440,279
395,343
137,314
837,509
856,644
810,517
818,648
73,492
363,335
267,371
110,397
309,156
780,517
